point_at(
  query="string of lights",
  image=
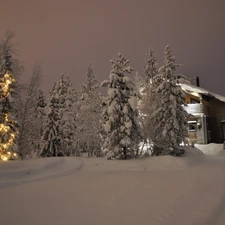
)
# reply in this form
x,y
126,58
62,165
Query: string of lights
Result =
x,y
6,132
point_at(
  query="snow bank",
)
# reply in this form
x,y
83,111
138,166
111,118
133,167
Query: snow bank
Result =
x,y
212,149
20,172
193,152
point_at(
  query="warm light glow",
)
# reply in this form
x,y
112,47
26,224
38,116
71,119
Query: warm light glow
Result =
x,y
4,154
4,158
8,80
3,128
6,117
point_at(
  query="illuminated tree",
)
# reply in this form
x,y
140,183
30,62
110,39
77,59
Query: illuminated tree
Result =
x,y
8,123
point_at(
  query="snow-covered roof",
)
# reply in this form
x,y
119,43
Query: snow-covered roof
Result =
x,y
203,91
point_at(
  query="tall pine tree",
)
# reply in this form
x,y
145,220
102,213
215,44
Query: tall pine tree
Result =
x,y
67,116
122,125
149,99
59,128
170,117
51,138
151,68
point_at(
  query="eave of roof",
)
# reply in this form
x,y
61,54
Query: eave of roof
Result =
x,y
202,91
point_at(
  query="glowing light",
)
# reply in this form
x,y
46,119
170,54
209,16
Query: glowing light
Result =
x,y
6,117
4,129
8,82
4,158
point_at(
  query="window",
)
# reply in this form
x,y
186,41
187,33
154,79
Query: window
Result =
x,y
194,101
192,127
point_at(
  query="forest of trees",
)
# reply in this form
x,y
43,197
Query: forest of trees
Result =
x,y
76,120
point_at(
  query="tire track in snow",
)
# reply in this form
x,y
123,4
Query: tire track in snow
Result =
x,y
44,177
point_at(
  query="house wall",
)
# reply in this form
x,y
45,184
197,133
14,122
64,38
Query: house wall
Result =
x,y
202,130
198,136
216,110
200,112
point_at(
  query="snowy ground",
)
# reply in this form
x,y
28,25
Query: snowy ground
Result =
x,y
188,190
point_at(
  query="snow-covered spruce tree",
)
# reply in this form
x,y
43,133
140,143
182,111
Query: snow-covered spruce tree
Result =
x,y
8,111
170,117
67,116
40,105
149,99
122,126
150,69
58,132
50,138
89,116
76,105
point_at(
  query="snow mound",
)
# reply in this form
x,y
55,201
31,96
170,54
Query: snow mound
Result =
x,y
15,173
212,149
154,163
193,152
193,156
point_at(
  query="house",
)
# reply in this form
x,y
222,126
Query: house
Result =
x,y
207,115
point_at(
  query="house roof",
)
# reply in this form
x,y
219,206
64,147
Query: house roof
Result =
x,y
192,88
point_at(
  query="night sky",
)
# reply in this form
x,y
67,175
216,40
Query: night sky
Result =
x,y
67,35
